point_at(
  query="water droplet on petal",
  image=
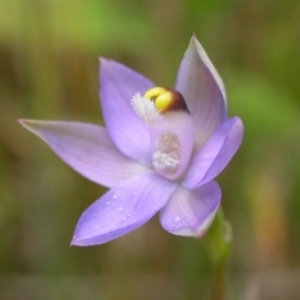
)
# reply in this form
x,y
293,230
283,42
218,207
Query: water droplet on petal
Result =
x,y
177,219
108,203
120,208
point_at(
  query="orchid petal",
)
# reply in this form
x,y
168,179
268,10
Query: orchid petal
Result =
x,y
88,149
118,85
190,212
203,90
214,156
122,209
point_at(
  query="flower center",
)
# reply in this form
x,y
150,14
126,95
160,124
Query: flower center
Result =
x,y
170,128
157,100
166,99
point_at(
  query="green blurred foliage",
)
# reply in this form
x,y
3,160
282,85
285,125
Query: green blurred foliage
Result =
x,y
49,70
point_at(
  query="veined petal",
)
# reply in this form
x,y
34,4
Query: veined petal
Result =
x,y
88,149
203,90
118,84
122,209
213,157
190,212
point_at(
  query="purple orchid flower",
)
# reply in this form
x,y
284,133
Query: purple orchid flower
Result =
x,y
154,155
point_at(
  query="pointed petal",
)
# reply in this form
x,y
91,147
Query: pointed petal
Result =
x,y
117,86
190,212
214,156
122,209
86,148
203,90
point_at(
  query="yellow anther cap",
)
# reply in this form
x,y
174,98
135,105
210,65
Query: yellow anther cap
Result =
x,y
153,93
166,99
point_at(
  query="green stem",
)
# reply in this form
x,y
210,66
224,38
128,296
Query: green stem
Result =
x,y
218,284
218,242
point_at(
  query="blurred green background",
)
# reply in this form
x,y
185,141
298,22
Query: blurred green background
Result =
x,y
49,70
